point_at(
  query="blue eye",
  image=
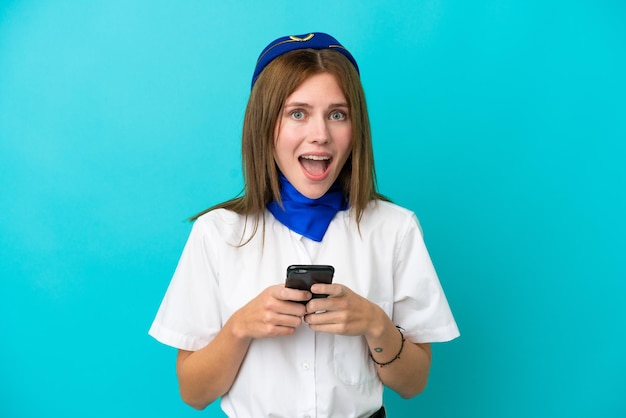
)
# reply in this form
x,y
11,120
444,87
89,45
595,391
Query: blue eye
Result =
x,y
297,114
338,115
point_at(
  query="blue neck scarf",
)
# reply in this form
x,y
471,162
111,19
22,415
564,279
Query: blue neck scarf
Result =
x,y
307,217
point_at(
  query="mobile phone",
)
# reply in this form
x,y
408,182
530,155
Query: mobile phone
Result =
x,y
302,277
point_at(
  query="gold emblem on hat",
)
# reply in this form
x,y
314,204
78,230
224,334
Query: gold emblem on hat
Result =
x,y
306,38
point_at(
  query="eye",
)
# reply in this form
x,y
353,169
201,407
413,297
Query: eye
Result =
x,y
297,114
338,115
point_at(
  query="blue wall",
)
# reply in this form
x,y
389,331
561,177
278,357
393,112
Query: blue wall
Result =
x,y
502,124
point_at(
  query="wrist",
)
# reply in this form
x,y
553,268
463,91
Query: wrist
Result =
x,y
380,323
237,328
397,356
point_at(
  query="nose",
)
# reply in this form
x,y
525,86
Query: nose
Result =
x,y
318,130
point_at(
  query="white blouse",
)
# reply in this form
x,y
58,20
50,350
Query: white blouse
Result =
x,y
307,374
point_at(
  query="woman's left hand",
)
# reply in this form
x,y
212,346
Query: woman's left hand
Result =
x,y
343,312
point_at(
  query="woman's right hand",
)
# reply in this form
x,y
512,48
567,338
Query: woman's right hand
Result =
x,y
274,312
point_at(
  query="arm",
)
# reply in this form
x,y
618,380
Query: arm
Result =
x,y
207,374
346,313
408,374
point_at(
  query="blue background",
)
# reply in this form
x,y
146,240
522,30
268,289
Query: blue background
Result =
x,y
500,123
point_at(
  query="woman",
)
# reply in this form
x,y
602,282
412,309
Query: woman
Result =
x,y
310,198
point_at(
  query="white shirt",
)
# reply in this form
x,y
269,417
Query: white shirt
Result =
x,y
307,374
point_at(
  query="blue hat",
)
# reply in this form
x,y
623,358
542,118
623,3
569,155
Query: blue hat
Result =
x,y
280,46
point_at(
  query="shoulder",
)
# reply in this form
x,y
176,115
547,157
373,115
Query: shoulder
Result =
x,y
388,217
224,223
220,216
383,207
381,211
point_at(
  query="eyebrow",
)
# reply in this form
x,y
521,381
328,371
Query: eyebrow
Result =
x,y
306,105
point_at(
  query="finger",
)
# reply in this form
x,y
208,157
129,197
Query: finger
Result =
x,y
332,290
326,322
317,318
285,308
281,326
289,321
294,295
281,313
317,305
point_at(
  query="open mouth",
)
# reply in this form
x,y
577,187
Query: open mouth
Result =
x,y
315,165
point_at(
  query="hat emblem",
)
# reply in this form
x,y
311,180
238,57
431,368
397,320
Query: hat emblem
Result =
x,y
306,38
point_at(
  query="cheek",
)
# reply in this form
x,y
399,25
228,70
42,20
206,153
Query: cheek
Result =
x,y
288,139
345,141
282,153
346,149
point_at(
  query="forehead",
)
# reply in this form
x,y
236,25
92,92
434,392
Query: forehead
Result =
x,y
318,86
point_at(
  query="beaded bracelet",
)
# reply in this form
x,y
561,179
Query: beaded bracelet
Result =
x,y
397,355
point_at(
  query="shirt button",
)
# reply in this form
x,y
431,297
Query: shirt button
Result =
x,y
306,366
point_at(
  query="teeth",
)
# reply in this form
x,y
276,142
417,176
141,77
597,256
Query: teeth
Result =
x,y
315,157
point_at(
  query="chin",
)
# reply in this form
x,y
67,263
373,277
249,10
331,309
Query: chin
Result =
x,y
313,195
314,192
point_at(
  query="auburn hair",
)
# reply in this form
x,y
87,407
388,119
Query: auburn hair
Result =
x,y
274,85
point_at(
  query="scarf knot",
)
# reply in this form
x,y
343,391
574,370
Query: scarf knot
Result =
x,y
305,216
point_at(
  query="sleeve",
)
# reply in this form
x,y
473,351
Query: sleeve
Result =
x,y
190,316
420,305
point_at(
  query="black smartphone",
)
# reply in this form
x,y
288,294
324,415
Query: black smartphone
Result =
x,y
302,277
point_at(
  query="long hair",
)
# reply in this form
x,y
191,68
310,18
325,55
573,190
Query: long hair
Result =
x,y
275,84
